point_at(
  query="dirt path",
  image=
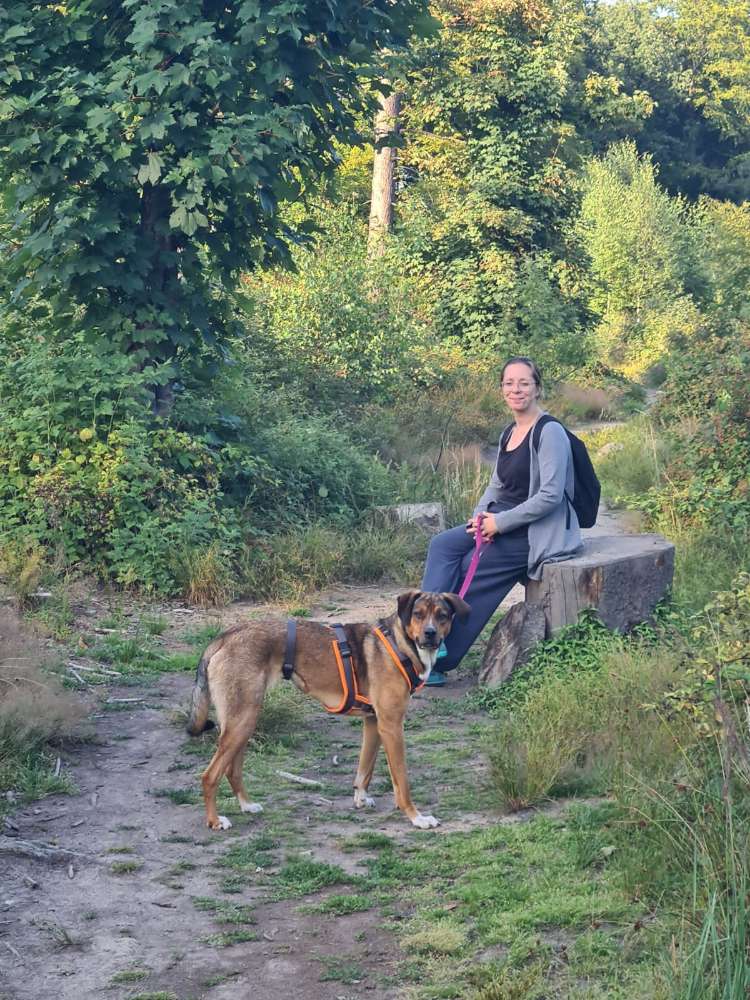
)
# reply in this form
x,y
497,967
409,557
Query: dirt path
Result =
x,y
154,906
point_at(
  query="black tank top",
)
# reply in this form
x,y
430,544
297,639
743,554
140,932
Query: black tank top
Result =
x,y
513,471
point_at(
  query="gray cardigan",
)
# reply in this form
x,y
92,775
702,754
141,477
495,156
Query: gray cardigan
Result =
x,y
546,510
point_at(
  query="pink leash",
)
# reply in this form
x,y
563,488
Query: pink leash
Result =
x,y
479,544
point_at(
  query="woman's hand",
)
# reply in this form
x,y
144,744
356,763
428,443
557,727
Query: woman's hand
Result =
x,y
489,527
472,525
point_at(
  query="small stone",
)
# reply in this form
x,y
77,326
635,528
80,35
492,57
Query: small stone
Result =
x,y
430,517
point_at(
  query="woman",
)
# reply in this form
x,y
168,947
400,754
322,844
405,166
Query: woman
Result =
x,y
523,512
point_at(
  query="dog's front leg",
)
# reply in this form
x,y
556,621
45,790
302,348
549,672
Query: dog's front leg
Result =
x,y
392,735
367,757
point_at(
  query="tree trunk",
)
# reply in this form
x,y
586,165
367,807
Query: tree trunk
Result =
x,y
381,204
162,278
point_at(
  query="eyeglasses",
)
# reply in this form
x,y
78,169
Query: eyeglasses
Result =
x,y
517,385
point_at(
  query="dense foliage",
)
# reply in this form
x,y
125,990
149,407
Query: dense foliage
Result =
x,y
167,386
147,146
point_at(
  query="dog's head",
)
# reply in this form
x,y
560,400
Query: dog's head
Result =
x,y
427,618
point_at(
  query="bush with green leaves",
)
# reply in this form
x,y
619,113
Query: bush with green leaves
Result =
x,y
640,251
84,472
146,147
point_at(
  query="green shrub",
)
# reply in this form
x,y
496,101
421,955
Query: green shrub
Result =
x,y
580,731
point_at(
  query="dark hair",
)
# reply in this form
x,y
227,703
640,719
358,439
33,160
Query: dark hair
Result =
x,y
522,360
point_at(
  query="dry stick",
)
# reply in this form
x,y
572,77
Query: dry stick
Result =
x,y
74,672
11,948
94,670
300,781
41,852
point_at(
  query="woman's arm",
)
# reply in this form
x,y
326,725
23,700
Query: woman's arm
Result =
x,y
554,458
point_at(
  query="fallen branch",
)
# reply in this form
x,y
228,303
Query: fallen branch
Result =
x,y
94,670
300,781
42,852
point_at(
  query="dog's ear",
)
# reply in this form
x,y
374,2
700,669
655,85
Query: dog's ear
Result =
x,y
405,604
459,605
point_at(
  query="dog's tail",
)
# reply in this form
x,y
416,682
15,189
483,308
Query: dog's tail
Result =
x,y
199,721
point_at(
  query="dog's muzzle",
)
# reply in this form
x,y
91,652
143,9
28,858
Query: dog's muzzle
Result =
x,y
430,639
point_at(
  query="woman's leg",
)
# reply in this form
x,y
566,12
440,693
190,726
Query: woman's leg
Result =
x,y
443,568
504,563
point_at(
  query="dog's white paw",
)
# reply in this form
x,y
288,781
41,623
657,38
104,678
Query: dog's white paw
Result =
x,y
251,807
362,799
224,824
425,822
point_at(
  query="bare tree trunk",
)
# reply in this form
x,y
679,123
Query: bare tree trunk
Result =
x,y
381,204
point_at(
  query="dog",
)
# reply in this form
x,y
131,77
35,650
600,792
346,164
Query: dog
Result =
x,y
241,664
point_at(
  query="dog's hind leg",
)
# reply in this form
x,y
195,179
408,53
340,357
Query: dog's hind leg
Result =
x,y
367,757
228,760
235,773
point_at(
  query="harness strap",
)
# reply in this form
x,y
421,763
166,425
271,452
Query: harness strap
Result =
x,y
291,644
403,663
351,699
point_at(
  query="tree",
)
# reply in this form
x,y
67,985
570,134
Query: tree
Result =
x,y
642,262
678,54
492,132
148,143
383,173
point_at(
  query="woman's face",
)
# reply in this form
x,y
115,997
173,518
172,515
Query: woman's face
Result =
x,y
519,388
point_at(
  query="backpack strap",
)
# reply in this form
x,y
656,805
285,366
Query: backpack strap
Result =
x,y
536,434
291,644
547,418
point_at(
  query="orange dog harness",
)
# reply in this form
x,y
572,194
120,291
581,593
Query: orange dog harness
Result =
x,y
352,700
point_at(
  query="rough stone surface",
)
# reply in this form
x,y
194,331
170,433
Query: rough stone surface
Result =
x,y
511,641
622,576
430,517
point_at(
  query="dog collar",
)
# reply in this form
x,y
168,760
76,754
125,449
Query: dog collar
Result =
x,y
403,662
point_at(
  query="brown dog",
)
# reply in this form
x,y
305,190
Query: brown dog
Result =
x,y
240,665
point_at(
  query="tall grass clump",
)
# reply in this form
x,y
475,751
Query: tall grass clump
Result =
x,y
629,459
35,711
292,564
575,731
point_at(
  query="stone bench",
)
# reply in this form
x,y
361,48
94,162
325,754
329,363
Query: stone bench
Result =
x,y
621,577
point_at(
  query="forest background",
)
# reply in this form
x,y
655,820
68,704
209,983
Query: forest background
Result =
x,y
209,380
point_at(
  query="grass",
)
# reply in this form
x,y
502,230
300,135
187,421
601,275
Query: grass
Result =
x,y
228,939
35,712
629,459
340,970
136,656
125,867
202,637
224,912
253,852
527,894
573,733
130,976
300,877
342,904
288,567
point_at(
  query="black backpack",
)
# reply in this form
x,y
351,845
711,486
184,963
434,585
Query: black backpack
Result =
x,y
586,488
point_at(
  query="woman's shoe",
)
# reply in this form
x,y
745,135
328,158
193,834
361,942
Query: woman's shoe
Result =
x,y
436,679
